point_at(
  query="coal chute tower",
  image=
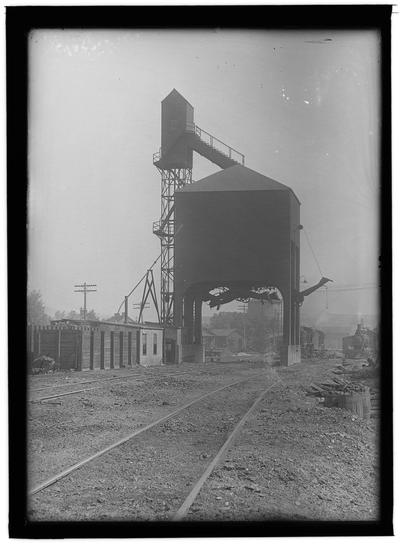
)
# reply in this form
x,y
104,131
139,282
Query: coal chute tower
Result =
x,y
237,237
232,235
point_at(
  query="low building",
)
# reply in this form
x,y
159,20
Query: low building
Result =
x,y
95,344
222,338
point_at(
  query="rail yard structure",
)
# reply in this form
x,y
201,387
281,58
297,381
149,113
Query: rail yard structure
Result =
x,y
233,235
237,238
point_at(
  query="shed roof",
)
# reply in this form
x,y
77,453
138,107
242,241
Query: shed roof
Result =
x,y
236,178
98,323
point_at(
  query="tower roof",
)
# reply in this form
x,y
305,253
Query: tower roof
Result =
x,y
236,178
175,95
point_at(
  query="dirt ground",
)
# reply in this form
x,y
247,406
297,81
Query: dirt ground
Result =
x,y
294,459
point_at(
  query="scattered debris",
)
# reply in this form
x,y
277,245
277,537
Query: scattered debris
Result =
x,y
45,364
348,395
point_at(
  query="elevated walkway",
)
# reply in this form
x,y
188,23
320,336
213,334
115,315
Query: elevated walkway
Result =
x,y
205,144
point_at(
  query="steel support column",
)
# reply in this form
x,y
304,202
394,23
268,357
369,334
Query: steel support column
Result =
x,y
198,338
188,319
171,180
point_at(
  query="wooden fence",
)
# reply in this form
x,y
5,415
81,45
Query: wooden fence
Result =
x,y
84,347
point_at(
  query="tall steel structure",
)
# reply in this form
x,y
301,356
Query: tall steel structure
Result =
x,y
171,180
180,137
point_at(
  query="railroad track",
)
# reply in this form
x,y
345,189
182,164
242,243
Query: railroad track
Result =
x,y
184,508
170,429
72,384
160,372
113,378
138,376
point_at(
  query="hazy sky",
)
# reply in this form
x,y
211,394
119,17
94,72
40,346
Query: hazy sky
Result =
x,y
301,106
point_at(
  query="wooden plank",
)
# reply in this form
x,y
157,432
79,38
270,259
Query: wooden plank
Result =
x,y
59,347
111,350
49,343
121,349
91,356
106,349
129,348
85,352
96,350
68,349
102,348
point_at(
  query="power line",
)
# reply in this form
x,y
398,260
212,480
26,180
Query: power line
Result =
x,y
352,289
312,251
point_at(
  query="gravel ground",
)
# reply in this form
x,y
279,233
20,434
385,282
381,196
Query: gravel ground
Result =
x,y
62,431
295,459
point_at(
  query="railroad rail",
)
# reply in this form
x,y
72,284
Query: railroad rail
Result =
x,y
139,373
128,376
184,508
124,440
139,477
82,382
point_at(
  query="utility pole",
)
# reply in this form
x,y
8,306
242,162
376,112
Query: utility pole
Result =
x,y
126,310
140,307
85,289
243,309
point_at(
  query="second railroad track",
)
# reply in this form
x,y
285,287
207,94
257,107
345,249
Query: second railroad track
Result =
x,y
178,450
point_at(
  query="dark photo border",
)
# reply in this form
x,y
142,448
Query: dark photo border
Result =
x,y
19,22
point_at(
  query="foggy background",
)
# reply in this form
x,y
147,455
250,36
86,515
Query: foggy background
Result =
x,y
301,106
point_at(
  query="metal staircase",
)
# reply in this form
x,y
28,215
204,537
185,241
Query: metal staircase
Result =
x,y
212,148
207,145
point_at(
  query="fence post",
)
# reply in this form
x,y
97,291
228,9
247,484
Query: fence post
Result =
x,y
91,358
121,350
76,352
111,350
80,349
129,348
59,347
101,350
138,347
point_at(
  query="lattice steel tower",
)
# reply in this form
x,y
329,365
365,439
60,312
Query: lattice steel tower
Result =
x,y
179,138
